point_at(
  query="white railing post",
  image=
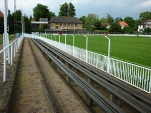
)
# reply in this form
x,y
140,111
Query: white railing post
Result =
x,y
128,72
65,42
12,54
86,48
73,44
108,58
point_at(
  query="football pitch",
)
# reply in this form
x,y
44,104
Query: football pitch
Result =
x,y
133,49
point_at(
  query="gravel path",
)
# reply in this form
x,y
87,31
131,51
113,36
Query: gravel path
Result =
x,y
29,94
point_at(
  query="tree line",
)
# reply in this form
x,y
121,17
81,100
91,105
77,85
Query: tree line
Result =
x,y
91,22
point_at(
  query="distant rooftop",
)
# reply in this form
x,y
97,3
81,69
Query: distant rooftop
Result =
x,y
64,19
123,23
41,21
1,14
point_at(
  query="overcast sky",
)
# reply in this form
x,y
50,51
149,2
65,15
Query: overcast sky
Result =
x,y
116,8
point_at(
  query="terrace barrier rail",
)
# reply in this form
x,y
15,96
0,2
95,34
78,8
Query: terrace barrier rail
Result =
x,y
135,75
9,53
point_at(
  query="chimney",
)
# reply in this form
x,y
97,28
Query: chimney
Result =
x,y
8,12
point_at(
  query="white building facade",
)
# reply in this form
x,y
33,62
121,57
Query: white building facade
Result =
x,y
144,25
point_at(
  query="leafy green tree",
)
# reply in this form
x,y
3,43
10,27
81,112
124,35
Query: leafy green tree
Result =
x,y
11,23
103,20
17,21
115,27
41,11
130,21
137,22
67,10
31,17
118,19
15,25
27,24
1,25
147,30
128,30
109,19
83,19
51,14
97,25
90,20
104,23
42,28
145,16
71,11
64,9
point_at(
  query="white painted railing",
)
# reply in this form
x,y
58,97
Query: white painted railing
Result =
x,y
9,53
132,74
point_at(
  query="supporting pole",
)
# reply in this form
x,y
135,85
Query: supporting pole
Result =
x,y
5,39
59,42
73,44
86,48
108,58
65,43
11,54
5,24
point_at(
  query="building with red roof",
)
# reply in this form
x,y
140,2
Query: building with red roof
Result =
x,y
123,24
1,14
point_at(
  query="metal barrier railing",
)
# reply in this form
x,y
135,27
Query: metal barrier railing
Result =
x,y
132,74
9,52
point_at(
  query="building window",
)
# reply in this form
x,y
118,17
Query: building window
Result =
x,y
56,25
144,26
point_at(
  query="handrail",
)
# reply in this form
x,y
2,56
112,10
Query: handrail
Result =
x,y
135,75
7,46
14,45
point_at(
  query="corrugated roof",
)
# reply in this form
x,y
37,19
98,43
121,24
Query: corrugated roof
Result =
x,y
1,14
123,23
64,19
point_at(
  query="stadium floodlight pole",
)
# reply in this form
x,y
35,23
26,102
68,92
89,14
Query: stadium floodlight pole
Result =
x,y
5,38
5,23
73,43
86,48
108,58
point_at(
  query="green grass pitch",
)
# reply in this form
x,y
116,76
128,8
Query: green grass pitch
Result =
x,y
133,49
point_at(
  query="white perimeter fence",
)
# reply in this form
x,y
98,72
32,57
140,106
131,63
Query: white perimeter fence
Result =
x,y
9,53
132,74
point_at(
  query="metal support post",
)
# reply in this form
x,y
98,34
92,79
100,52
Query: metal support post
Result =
x,y
86,48
65,43
108,57
73,44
